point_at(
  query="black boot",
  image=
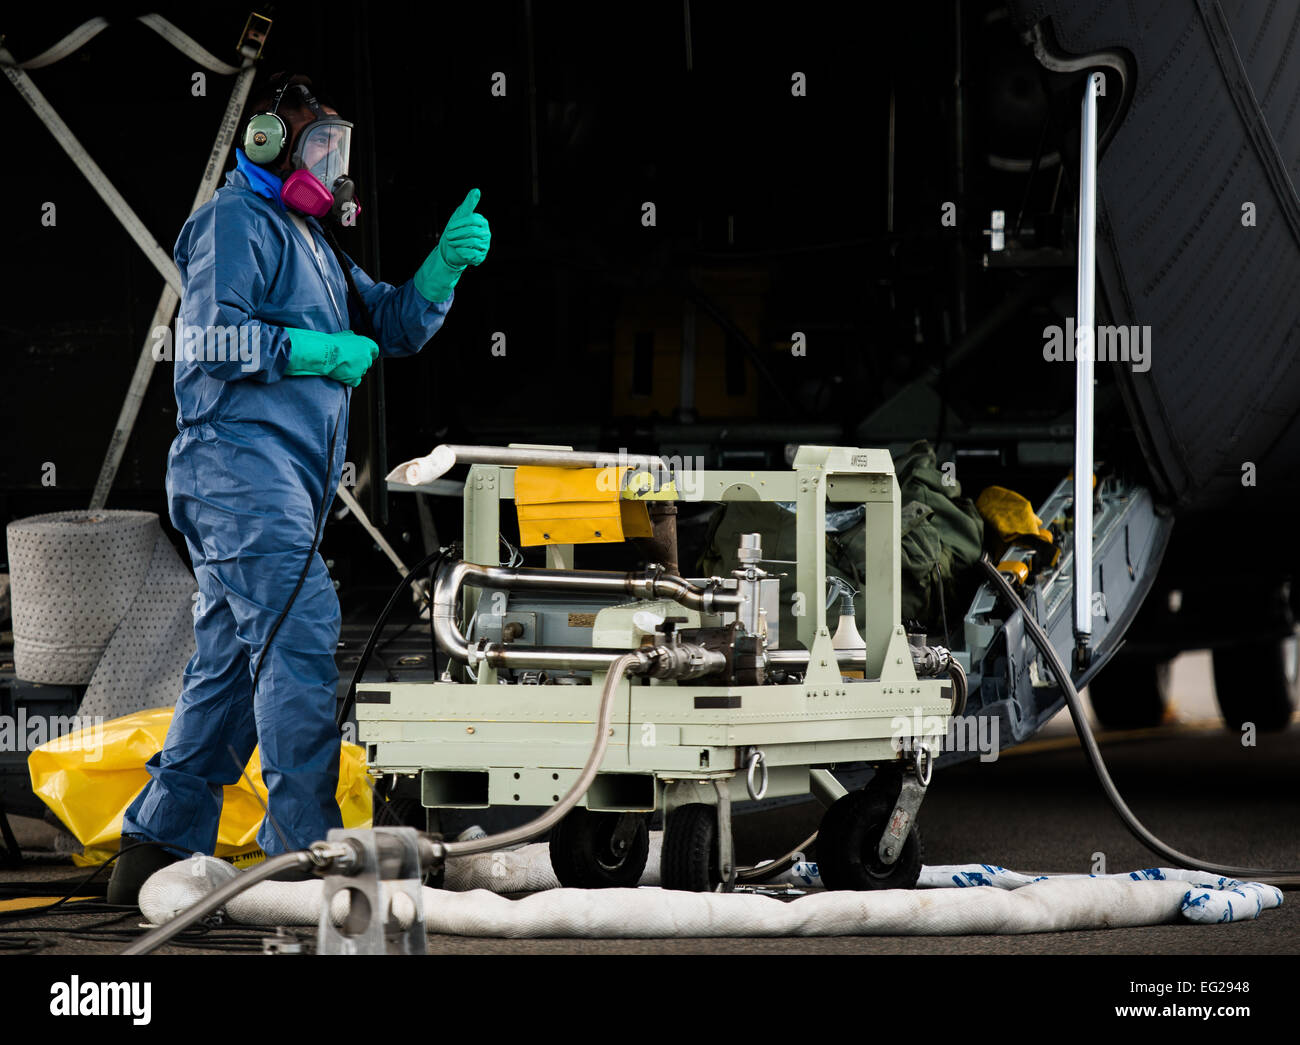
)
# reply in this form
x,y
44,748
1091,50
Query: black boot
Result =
x,y
134,867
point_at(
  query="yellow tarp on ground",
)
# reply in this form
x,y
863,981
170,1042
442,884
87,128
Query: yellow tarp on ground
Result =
x,y
90,777
576,506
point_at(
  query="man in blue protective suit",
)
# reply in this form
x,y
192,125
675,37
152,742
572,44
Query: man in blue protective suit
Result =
x,y
252,473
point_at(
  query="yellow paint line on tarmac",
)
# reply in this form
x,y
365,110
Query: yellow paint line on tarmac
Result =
x,y
1035,747
24,903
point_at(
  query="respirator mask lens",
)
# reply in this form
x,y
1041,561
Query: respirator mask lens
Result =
x,y
323,149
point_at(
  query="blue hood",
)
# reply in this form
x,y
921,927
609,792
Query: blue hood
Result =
x,y
260,180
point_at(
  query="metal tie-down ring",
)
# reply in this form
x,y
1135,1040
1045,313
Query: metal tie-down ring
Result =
x,y
756,759
924,764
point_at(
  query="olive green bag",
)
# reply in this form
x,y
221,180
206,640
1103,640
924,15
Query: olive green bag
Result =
x,y
942,538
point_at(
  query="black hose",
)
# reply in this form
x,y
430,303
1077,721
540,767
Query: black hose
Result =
x,y
1268,876
414,575
960,687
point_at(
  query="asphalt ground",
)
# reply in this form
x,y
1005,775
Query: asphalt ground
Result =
x,y
1036,808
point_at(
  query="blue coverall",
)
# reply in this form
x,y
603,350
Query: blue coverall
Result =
x,y
250,480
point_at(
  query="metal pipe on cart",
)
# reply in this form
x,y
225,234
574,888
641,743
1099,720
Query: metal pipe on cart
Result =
x,y
652,584
446,625
447,456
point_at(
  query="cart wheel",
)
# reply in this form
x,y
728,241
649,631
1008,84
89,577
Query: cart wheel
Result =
x,y
583,854
690,853
849,835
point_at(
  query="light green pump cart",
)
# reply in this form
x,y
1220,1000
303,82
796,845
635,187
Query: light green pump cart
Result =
x,y
706,703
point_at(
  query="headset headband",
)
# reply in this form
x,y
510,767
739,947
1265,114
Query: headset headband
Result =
x,y
308,97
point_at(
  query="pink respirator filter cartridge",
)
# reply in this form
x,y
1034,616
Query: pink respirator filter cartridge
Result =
x,y
303,192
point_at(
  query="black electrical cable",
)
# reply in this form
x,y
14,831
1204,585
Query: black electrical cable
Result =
x,y
311,555
32,945
943,610
229,938
266,810
1269,876
96,932
226,938
17,889
394,636
12,853
364,319
91,905
366,325
6,916
119,913
364,659
453,549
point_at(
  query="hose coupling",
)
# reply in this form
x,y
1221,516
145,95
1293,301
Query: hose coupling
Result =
x,y
682,660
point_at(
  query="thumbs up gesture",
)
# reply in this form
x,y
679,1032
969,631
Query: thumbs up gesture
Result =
x,y
464,242
466,238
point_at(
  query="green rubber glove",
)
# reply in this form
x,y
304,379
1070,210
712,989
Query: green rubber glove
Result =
x,y
344,356
465,241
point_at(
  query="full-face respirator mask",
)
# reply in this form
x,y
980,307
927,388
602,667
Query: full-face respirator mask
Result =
x,y
317,183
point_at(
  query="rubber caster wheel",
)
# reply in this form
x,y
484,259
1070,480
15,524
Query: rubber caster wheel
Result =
x,y
1257,682
690,854
847,844
1131,693
585,854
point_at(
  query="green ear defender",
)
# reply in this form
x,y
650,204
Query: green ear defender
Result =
x,y
265,137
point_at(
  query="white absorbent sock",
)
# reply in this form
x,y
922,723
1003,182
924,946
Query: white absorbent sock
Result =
x,y
660,913
1004,903
179,886
526,869
1212,898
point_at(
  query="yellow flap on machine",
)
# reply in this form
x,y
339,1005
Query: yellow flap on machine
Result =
x,y
1011,515
576,506
1013,520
